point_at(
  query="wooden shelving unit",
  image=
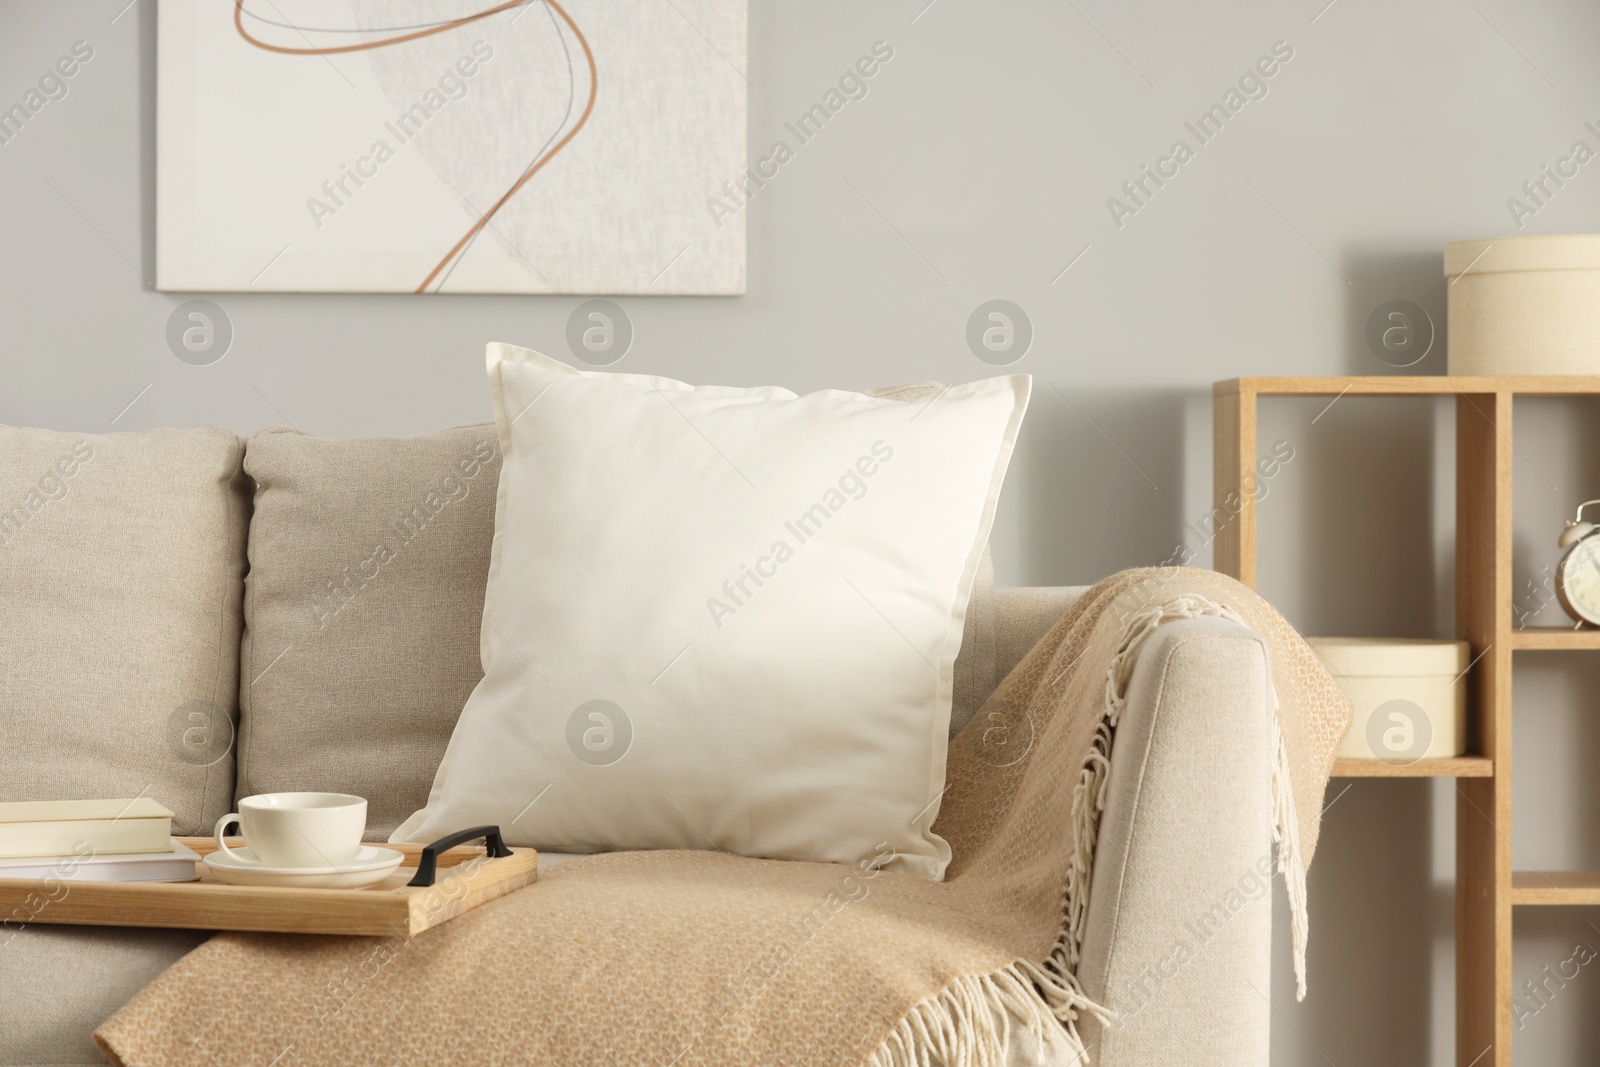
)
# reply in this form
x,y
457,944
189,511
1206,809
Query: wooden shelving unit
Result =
x,y
1487,889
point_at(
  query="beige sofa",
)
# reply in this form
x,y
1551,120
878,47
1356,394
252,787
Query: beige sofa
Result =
x,y
1179,927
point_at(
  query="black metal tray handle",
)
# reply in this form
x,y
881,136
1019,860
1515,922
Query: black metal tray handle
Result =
x,y
428,865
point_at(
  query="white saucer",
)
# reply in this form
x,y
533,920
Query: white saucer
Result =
x,y
370,864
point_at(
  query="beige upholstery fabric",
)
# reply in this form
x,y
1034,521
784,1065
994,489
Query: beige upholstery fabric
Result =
x,y
940,947
1197,724
1203,683
121,565
57,983
1022,616
1179,932
368,559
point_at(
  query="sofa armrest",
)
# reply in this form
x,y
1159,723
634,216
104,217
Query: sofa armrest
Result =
x,y
1179,931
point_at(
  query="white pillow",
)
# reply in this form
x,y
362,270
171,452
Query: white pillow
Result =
x,y
722,618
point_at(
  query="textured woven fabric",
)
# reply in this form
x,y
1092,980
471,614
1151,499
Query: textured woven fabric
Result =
x,y
121,569
368,558
704,958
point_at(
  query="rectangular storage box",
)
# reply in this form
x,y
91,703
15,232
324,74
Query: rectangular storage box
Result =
x,y
1410,697
1524,305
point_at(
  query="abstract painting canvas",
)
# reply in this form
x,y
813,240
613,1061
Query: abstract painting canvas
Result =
x,y
450,146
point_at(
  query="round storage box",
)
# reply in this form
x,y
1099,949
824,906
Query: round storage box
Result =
x,y
1524,305
1410,697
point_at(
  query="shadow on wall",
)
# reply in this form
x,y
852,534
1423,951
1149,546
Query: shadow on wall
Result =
x,y
1555,468
1377,465
1346,532
1369,520
1347,537
147,139
1372,938
1558,951
1102,472
1376,342
1555,796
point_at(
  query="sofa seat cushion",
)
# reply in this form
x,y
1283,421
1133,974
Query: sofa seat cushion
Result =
x,y
57,983
121,571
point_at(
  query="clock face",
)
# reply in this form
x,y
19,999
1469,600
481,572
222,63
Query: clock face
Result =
x,y
1578,581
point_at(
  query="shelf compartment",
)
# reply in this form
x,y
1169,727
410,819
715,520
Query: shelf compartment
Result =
x,y
1553,638
1555,888
1442,767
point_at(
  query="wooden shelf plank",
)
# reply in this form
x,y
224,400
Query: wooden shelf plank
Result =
x,y
1414,385
1484,595
1233,461
1444,767
1555,888
1554,638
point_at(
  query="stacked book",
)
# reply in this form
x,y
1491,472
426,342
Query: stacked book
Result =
x,y
92,841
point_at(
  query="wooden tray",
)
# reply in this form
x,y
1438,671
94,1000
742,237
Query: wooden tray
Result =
x,y
467,877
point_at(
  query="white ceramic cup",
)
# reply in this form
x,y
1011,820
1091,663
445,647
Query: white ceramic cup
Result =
x,y
298,829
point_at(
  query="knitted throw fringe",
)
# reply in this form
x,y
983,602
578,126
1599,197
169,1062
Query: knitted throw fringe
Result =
x,y
969,1023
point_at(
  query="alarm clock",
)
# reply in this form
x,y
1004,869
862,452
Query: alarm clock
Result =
x,y
1578,573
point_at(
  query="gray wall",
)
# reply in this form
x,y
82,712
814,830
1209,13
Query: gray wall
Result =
x,y
991,143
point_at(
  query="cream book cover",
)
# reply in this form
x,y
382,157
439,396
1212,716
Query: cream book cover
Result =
x,y
104,827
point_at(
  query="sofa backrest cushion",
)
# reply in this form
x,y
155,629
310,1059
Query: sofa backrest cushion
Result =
x,y
368,561
1022,615
121,571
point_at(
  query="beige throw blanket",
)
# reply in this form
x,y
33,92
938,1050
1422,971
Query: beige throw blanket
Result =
x,y
705,958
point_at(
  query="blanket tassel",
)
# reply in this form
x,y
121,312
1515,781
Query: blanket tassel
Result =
x,y
968,1023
